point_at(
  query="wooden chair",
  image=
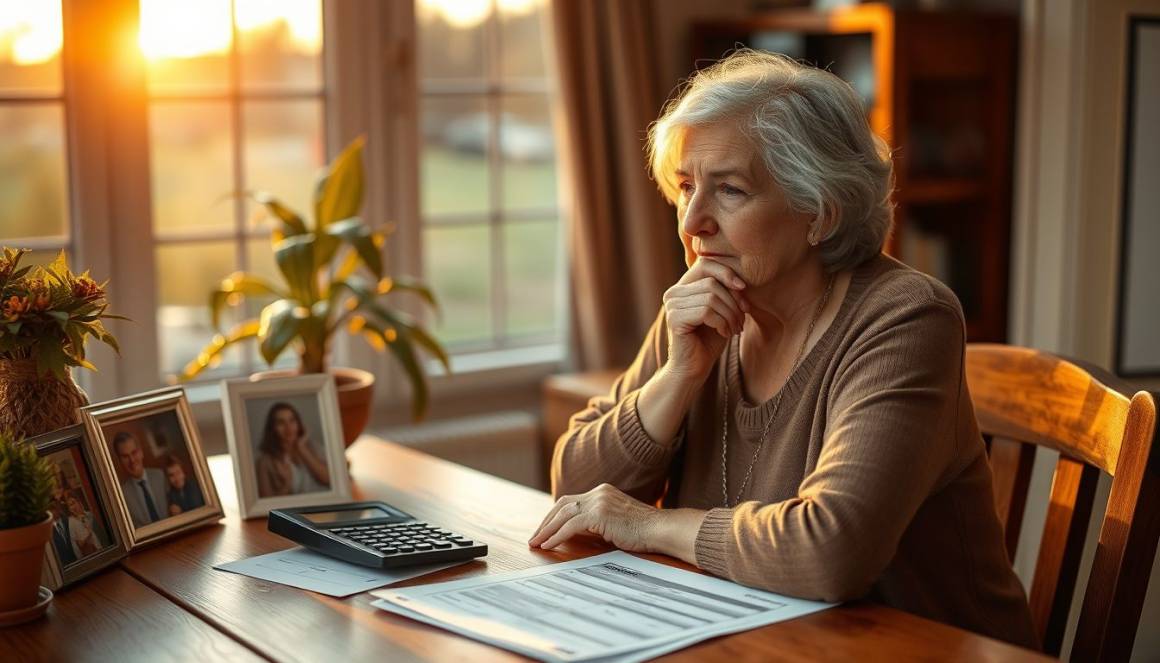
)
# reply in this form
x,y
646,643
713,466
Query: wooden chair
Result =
x,y
1022,398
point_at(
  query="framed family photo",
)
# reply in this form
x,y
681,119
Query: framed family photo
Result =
x,y
285,438
151,449
85,536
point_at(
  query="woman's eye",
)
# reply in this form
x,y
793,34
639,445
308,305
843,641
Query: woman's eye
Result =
x,y
731,190
686,188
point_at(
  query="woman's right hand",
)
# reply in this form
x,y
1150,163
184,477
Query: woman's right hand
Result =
x,y
702,311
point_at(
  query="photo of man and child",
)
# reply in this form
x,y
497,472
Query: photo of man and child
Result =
x,y
80,529
153,466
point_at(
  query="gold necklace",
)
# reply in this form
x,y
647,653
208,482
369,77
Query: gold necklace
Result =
x,y
772,415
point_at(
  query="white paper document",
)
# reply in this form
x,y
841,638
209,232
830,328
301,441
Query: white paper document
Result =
x,y
305,569
611,607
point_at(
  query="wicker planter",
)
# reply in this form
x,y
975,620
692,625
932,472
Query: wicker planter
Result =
x,y
31,404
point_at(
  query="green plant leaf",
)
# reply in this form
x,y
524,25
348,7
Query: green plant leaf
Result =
x,y
239,283
408,284
356,233
240,332
402,321
339,193
279,324
292,223
400,347
295,258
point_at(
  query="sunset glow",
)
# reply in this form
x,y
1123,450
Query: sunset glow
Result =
x,y
30,32
466,14
182,29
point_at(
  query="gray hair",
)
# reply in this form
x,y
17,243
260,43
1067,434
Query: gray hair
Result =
x,y
811,131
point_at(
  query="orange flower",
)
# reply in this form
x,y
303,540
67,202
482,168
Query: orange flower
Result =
x,y
37,296
86,289
12,308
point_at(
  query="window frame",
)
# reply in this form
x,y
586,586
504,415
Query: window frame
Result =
x,y
371,88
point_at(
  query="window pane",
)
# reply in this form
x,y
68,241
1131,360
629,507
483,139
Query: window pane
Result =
x,y
451,34
284,150
186,273
30,40
33,193
280,42
192,166
531,254
456,134
458,266
186,44
522,33
529,153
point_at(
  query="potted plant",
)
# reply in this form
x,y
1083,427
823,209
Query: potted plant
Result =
x,y
46,315
332,279
26,486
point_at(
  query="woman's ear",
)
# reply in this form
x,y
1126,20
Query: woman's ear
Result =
x,y
817,229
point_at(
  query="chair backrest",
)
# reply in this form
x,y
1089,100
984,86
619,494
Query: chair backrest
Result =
x,y
1024,397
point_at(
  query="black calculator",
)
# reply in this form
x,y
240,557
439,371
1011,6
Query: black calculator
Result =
x,y
372,534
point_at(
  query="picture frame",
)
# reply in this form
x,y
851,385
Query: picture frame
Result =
x,y
282,434
152,453
1137,319
86,532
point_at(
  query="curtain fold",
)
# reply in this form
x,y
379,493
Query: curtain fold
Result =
x,y
621,240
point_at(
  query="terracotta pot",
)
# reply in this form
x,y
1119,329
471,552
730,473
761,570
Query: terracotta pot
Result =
x,y
21,557
356,389
31,404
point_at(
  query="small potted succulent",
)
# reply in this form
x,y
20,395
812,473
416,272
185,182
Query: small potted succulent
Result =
x,y
46,315
333,278
26,486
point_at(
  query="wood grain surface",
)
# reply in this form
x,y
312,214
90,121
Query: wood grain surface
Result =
x,y
113,617
293,625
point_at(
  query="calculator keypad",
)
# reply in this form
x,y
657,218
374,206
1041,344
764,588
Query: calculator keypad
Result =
x,y
402,538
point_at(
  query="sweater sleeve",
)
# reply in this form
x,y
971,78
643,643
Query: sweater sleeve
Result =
x,y
606,443
889,437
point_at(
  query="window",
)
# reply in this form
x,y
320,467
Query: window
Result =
x,y
34,202
235,95
130,158
488,202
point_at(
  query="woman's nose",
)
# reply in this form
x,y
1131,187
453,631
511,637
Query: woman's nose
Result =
x,y
699,219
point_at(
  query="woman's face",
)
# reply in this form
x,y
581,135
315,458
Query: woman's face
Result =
x,y
75,507
730,209
286,426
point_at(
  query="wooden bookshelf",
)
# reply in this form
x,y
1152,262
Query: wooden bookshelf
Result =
x,y
939,88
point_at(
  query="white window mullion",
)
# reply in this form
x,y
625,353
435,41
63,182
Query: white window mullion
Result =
x,y
108,164
370,69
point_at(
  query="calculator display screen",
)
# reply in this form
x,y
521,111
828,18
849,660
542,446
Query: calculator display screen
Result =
x,y
367,513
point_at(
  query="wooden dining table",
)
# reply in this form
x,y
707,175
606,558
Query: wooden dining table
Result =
x,y
168,603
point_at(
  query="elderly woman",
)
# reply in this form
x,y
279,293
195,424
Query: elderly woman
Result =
x,y
800,403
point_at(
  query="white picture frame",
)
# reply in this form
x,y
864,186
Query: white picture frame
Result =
x,y
256,412
145,418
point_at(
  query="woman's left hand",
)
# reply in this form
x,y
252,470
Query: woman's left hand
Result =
x,y
604,511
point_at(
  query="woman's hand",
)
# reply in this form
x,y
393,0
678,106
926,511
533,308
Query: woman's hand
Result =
x,y
604,511
702,311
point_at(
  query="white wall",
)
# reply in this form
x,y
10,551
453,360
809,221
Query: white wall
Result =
x,y
1067,220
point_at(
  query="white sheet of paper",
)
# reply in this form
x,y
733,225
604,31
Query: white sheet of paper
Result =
x,y
305,569
611,607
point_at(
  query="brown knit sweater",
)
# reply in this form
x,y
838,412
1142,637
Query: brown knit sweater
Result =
x,y
873,480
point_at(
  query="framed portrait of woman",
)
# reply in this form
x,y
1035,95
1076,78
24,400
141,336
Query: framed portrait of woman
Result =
x,y
285,438
151,449
85,536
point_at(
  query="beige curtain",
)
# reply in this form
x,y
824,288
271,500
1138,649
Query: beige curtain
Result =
x,y
622,237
